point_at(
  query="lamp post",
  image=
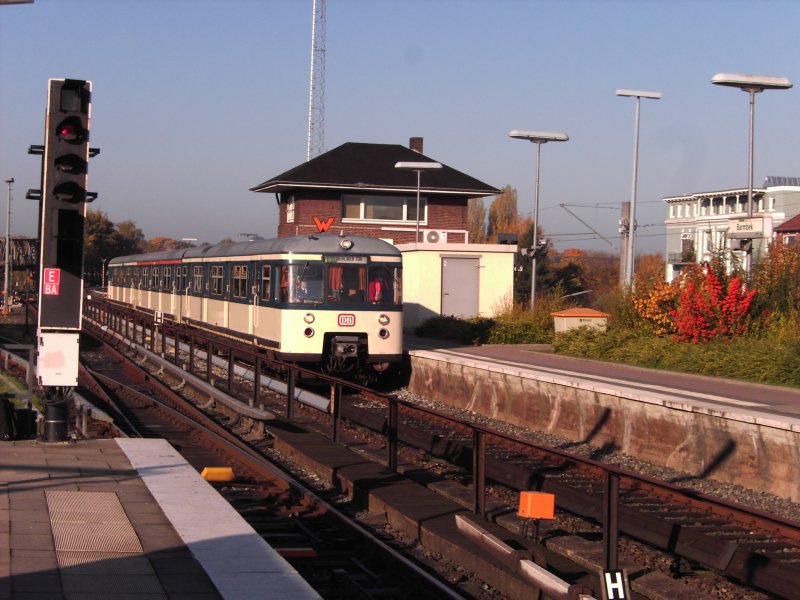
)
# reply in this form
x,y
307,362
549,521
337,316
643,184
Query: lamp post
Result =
x,y
629,259
538,138
418,167
752,84
7,278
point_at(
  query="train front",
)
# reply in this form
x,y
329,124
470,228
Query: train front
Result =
x,y
349,299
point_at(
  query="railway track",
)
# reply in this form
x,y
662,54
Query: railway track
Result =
x,y
752,548
339,559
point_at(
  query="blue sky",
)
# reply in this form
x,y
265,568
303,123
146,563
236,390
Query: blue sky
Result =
x,y
196,101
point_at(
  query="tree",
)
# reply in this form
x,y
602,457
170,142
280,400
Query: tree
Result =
x,y
99,245
159,243
502,213
650,267
130,239
103,240
476,221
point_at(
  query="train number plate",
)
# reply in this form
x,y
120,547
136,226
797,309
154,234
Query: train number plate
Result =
x,y
347,320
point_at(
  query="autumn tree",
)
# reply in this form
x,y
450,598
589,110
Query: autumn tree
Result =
x,y
650,267
502,213
476,221
160,243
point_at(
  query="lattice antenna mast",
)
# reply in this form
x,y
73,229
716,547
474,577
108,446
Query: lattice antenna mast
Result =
x,y
316,92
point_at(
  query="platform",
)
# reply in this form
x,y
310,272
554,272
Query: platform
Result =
x,y
723,429
125,519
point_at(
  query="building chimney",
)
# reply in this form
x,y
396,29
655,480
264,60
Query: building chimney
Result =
x,y
415,143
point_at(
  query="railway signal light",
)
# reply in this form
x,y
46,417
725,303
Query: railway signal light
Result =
x,y
64,197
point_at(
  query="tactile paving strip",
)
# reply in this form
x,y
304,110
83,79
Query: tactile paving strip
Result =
x,y
98,552
90,522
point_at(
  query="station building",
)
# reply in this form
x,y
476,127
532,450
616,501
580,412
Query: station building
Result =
x,y
702,224
356,189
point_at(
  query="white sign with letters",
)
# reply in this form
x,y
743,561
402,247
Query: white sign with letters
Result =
x,y
746,228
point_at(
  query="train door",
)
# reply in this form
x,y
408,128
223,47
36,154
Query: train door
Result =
x,y
460,286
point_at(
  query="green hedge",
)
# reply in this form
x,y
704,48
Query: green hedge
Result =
x,y
771,359
759,360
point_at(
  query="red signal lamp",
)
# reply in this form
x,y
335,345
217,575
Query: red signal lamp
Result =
x,y
71,130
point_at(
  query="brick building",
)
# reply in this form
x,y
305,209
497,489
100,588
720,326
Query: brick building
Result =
x,y
356,188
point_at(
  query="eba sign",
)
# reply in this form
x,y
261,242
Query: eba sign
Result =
x,y
51,282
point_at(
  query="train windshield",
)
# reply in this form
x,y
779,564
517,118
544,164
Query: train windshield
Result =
x,y
302,282
353,283
341,283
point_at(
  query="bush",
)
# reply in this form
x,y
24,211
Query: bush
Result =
x,y
768,360
473,331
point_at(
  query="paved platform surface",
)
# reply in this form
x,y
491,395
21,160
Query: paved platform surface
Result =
x,y
125,519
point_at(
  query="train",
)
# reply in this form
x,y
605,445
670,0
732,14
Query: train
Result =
x,y
328,301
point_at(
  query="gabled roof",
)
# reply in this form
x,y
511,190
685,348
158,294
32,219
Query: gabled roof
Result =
x,y
357,166
792,224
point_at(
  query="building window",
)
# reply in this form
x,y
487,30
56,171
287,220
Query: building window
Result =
x,y
240,281
266,282
216,280
383,208
290,209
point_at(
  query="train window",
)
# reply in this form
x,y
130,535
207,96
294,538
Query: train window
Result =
x,y
154,278
240,281
384,284
302,283
167,278
216,280
347,283
145,275
197,279
266,282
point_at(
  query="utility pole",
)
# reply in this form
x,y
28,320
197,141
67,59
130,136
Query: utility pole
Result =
x,y
624,234
7,278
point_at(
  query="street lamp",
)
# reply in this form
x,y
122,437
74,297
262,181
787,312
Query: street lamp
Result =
x,y
538,138
752,84
418,167
629,261
7,279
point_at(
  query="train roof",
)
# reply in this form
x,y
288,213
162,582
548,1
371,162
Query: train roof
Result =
x,y
321,243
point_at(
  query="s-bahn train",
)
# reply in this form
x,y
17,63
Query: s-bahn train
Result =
x,y
333,301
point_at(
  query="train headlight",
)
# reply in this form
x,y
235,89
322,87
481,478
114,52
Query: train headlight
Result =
x,y
308,332
383,333
383,319
308,318
346,244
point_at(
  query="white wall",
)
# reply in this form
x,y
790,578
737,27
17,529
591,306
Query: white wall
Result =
x,y
422,278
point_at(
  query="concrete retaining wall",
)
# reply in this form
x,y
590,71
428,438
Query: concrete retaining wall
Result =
x,y
733,447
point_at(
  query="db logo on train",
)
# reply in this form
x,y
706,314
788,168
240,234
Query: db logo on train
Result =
x,y
347,320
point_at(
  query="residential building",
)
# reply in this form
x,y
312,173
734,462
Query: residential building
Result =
x,y
702,224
